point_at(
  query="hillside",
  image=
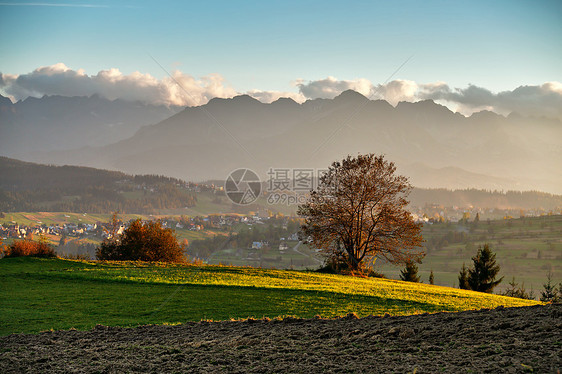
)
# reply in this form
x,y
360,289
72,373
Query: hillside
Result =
x,y
467,198
437,147
30,187
67,294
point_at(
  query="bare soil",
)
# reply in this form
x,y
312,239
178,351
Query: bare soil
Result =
x,y
508,340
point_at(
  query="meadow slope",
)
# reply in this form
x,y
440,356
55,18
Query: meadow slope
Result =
x,y
43,294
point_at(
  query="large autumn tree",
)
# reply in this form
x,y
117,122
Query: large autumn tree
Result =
x,y
358,213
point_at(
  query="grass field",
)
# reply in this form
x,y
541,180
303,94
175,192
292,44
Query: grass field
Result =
x,y
526,248
42,294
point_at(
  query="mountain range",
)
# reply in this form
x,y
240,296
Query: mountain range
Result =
x,y
60,123
429,143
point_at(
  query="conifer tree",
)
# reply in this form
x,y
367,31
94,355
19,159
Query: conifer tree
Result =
x,y
463,278
410,272
550,293
482,276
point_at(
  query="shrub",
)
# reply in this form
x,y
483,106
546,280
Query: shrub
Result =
x,y
147,241
28,248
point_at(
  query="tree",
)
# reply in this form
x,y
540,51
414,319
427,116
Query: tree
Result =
x,y
482,276
358,213
463,278
477,218
147,241
410,273
24,247
514,290
431,277
550,293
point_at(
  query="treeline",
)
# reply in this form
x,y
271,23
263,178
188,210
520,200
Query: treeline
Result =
x,y
486,199
19,175
31,187
96,200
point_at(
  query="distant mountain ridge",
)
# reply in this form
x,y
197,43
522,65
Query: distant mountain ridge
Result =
x,y
436,147
61,123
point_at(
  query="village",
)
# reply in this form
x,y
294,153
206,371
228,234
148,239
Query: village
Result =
x,y
428,214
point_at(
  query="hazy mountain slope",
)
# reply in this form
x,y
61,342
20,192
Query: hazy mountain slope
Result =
x,y
28,187
486,150
58,122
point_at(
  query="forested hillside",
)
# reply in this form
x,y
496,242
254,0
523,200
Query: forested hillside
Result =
x,y
486,199
26,186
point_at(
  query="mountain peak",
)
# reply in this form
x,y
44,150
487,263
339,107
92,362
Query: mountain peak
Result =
x,y
5,101
486,115
240,99
245,99
287,101
423,105
350,96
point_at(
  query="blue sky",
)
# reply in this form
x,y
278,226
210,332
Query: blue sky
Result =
x,y
265,45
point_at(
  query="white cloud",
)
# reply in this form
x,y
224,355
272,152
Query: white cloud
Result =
x,y
271,96
331,87
543,100
396,91
184,89
58,79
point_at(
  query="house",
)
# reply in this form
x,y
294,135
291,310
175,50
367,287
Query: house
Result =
x,y
283,246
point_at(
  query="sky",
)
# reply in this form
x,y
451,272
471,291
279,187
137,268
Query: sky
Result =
x,y
300,49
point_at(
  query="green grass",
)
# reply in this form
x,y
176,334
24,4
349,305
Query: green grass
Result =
x,y
43,294
516,242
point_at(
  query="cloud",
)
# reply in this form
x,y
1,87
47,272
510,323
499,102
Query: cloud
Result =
x,y
540,100
271,96
59,79
331,87
543,100
184,89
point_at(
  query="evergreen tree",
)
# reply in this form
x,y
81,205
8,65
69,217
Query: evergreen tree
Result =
x,y
550,293
482,276
63,240
431,278
514,290
410,272
463,278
